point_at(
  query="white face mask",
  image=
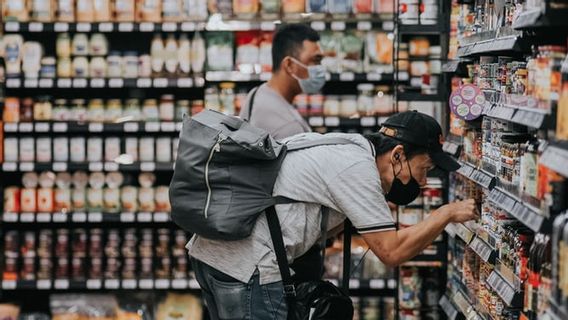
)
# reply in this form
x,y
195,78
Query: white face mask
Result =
x,y
315,80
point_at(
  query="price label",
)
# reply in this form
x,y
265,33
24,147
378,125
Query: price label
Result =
x,y
35,27
111,166
506,292
161,217
112,284
152,126
12,26
377,284
368,122
43,217
403,76
79,83
364,25
97,83
42,127
267,26
83,27
188,26
79,217
106,27
127,217
169,27
179,284
146,27
179,126
129,284
59,217
46,83
131,127
26,166
13,83
388,25
146,284
10,127
10,166
338,25
64,83
316,121
59,127
30,83
125,27
185,83
347,76
144,217
193,284
332,121
9,285
168,126
61,27
374,76
44,284
144,83
318,25
392,284
94,284
160,83
162,284
116,83
199,82
354,283
26,127
10,217
95,217
61,284
96,127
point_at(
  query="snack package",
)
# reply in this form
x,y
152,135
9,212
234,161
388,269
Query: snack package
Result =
x,y
379,52
220,51
247,58
245,7
351,51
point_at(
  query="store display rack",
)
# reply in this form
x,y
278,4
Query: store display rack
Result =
x,y
545,17
99,83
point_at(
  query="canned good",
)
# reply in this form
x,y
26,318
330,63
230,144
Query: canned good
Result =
x,y
61,149
146,149
95,150
129,199
43,147
112,148
77,149
164,145
27,149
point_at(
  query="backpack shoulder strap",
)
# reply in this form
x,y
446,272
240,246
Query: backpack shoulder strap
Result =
x,y
316,143
251,102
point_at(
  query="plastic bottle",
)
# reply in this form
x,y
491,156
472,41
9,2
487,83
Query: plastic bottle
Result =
x,y
171,54
156,51
184,54
197,53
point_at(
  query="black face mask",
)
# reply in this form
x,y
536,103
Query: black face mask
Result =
x,y
402,194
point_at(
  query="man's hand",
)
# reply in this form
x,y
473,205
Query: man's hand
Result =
x,y
461,211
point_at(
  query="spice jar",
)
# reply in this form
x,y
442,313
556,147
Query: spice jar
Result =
x,y
167,108
331,106
98,46
130,65
80,67
132,110
113,110
150,110
96,111
114,65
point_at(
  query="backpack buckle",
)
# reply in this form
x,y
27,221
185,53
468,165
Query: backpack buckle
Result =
x,y
290,290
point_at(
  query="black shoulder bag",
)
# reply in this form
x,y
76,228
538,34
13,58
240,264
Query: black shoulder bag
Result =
x,y
313,300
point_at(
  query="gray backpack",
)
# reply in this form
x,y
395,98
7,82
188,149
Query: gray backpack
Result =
x,y
225,173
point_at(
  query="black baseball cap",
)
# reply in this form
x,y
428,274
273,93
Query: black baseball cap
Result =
x,y
421,130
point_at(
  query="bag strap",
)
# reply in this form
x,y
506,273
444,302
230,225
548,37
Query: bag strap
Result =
x,y
346,256
316,143
251,101
324,222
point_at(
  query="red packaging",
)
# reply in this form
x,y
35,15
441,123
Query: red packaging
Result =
x,y
363,6
12,199
28,200
265,52
247,58
45,200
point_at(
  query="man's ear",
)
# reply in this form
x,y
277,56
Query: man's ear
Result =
x,y
397,154
287,65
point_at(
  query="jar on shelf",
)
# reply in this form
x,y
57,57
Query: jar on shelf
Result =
x,y
80,45
167,108
63,45
113,110
80,67
43,109
98,67
27,110
316,104
78,110
150,110
145,66
348,106
64,68
212,99
130,65
383,101
182,107
301,102
331,106
114,65
132,110
227,97
96,111
197,106
366,93
98,46
48,68
60,110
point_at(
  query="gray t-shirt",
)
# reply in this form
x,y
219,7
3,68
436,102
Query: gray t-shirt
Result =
x,y
342,177
274,114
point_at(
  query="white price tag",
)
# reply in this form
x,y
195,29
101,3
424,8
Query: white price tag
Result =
x,y
64,83
144,83
111,166
338,25
179,126
79,217
179,284
162,284
392,284
9,285
27,217
148,166
10,127
377,284
46,83
267,26
98,83
129,284
169,27
146,284
193,284
125,27
83,27
354,283
318,25
106,27
144,217
94,284
61,284
61,27
403,76
116,83
127,217
43,284
147,27
185,83
168,126
10,166
10,217
374,76
59,217
332,121
152,126
42,127
131,127
60,127
13,83
364,25
43,217
12,26
112,284
96,127
27,166
316,121
347,76
188,26
79,83
161,217
35,27
95,217
368,122
26,127
30,83
160,83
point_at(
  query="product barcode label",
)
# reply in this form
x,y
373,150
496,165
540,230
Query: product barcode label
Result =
x,y
61,284
61,27
338,25
13,83
60,127
161,217
448,308
168,126
64,83
106,27
10,127
147,27
9,285
111,166
83,27
185,83
528,216
112,284
169,27
26,166
148,166
95,127
152,126
59,217
95,217
43,217
46,83
125,27
332,121
160,83
79,217
347,76
12,27
162,284
144,217
30,83
188,26
129,284
130,127
9,166
316,121
364,25
377,284
144,83
528,118
179,284
43,284
94,284
116,83
35,27
127,217
98,83
146,284
318,25
41,127
481,248
368,122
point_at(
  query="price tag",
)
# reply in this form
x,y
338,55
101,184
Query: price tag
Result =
x,y
94,284
64,83
160,83
83,27
169,27
30,83
112,284
332,121
364,25
13,83
199,82
318,25
10,166
95,217
146,284
168,126
152,126
9,285
43,217
97,83
162,284
129,284
403,76
10,127
26,127
59,127
96,127
188,26
347,76
146,27
392,284
179,126
79,83
131,127
388,25
184,83
144,217
161,217
125,27
61,27
10,217
127,217
338,25
374,76
42,127
368,122
35,27
111,166
193,284
46,83
27,166
12,26
267,26
179,284
79,217
354,283
377,284
144,83
44,284
106,27
116,83
316,121
59,217
61,284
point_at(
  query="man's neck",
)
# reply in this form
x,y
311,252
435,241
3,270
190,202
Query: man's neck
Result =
x,y
278,84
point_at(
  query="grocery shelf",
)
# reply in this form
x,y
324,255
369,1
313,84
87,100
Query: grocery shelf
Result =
x,y
236,76
100,83
520,210
531,117
460,230
555,311
510,296
421,28
86,166
93,127
468,310
450,309
555,157
84,217
537,19
485,251
367,284
479,176
490,44
106,27
100,284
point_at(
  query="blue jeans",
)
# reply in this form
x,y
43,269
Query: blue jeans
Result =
x,y
230,299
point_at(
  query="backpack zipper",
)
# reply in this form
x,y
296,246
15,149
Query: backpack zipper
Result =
x,y
216,148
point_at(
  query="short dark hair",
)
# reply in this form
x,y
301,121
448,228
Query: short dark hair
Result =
x,y
384,144
288,41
